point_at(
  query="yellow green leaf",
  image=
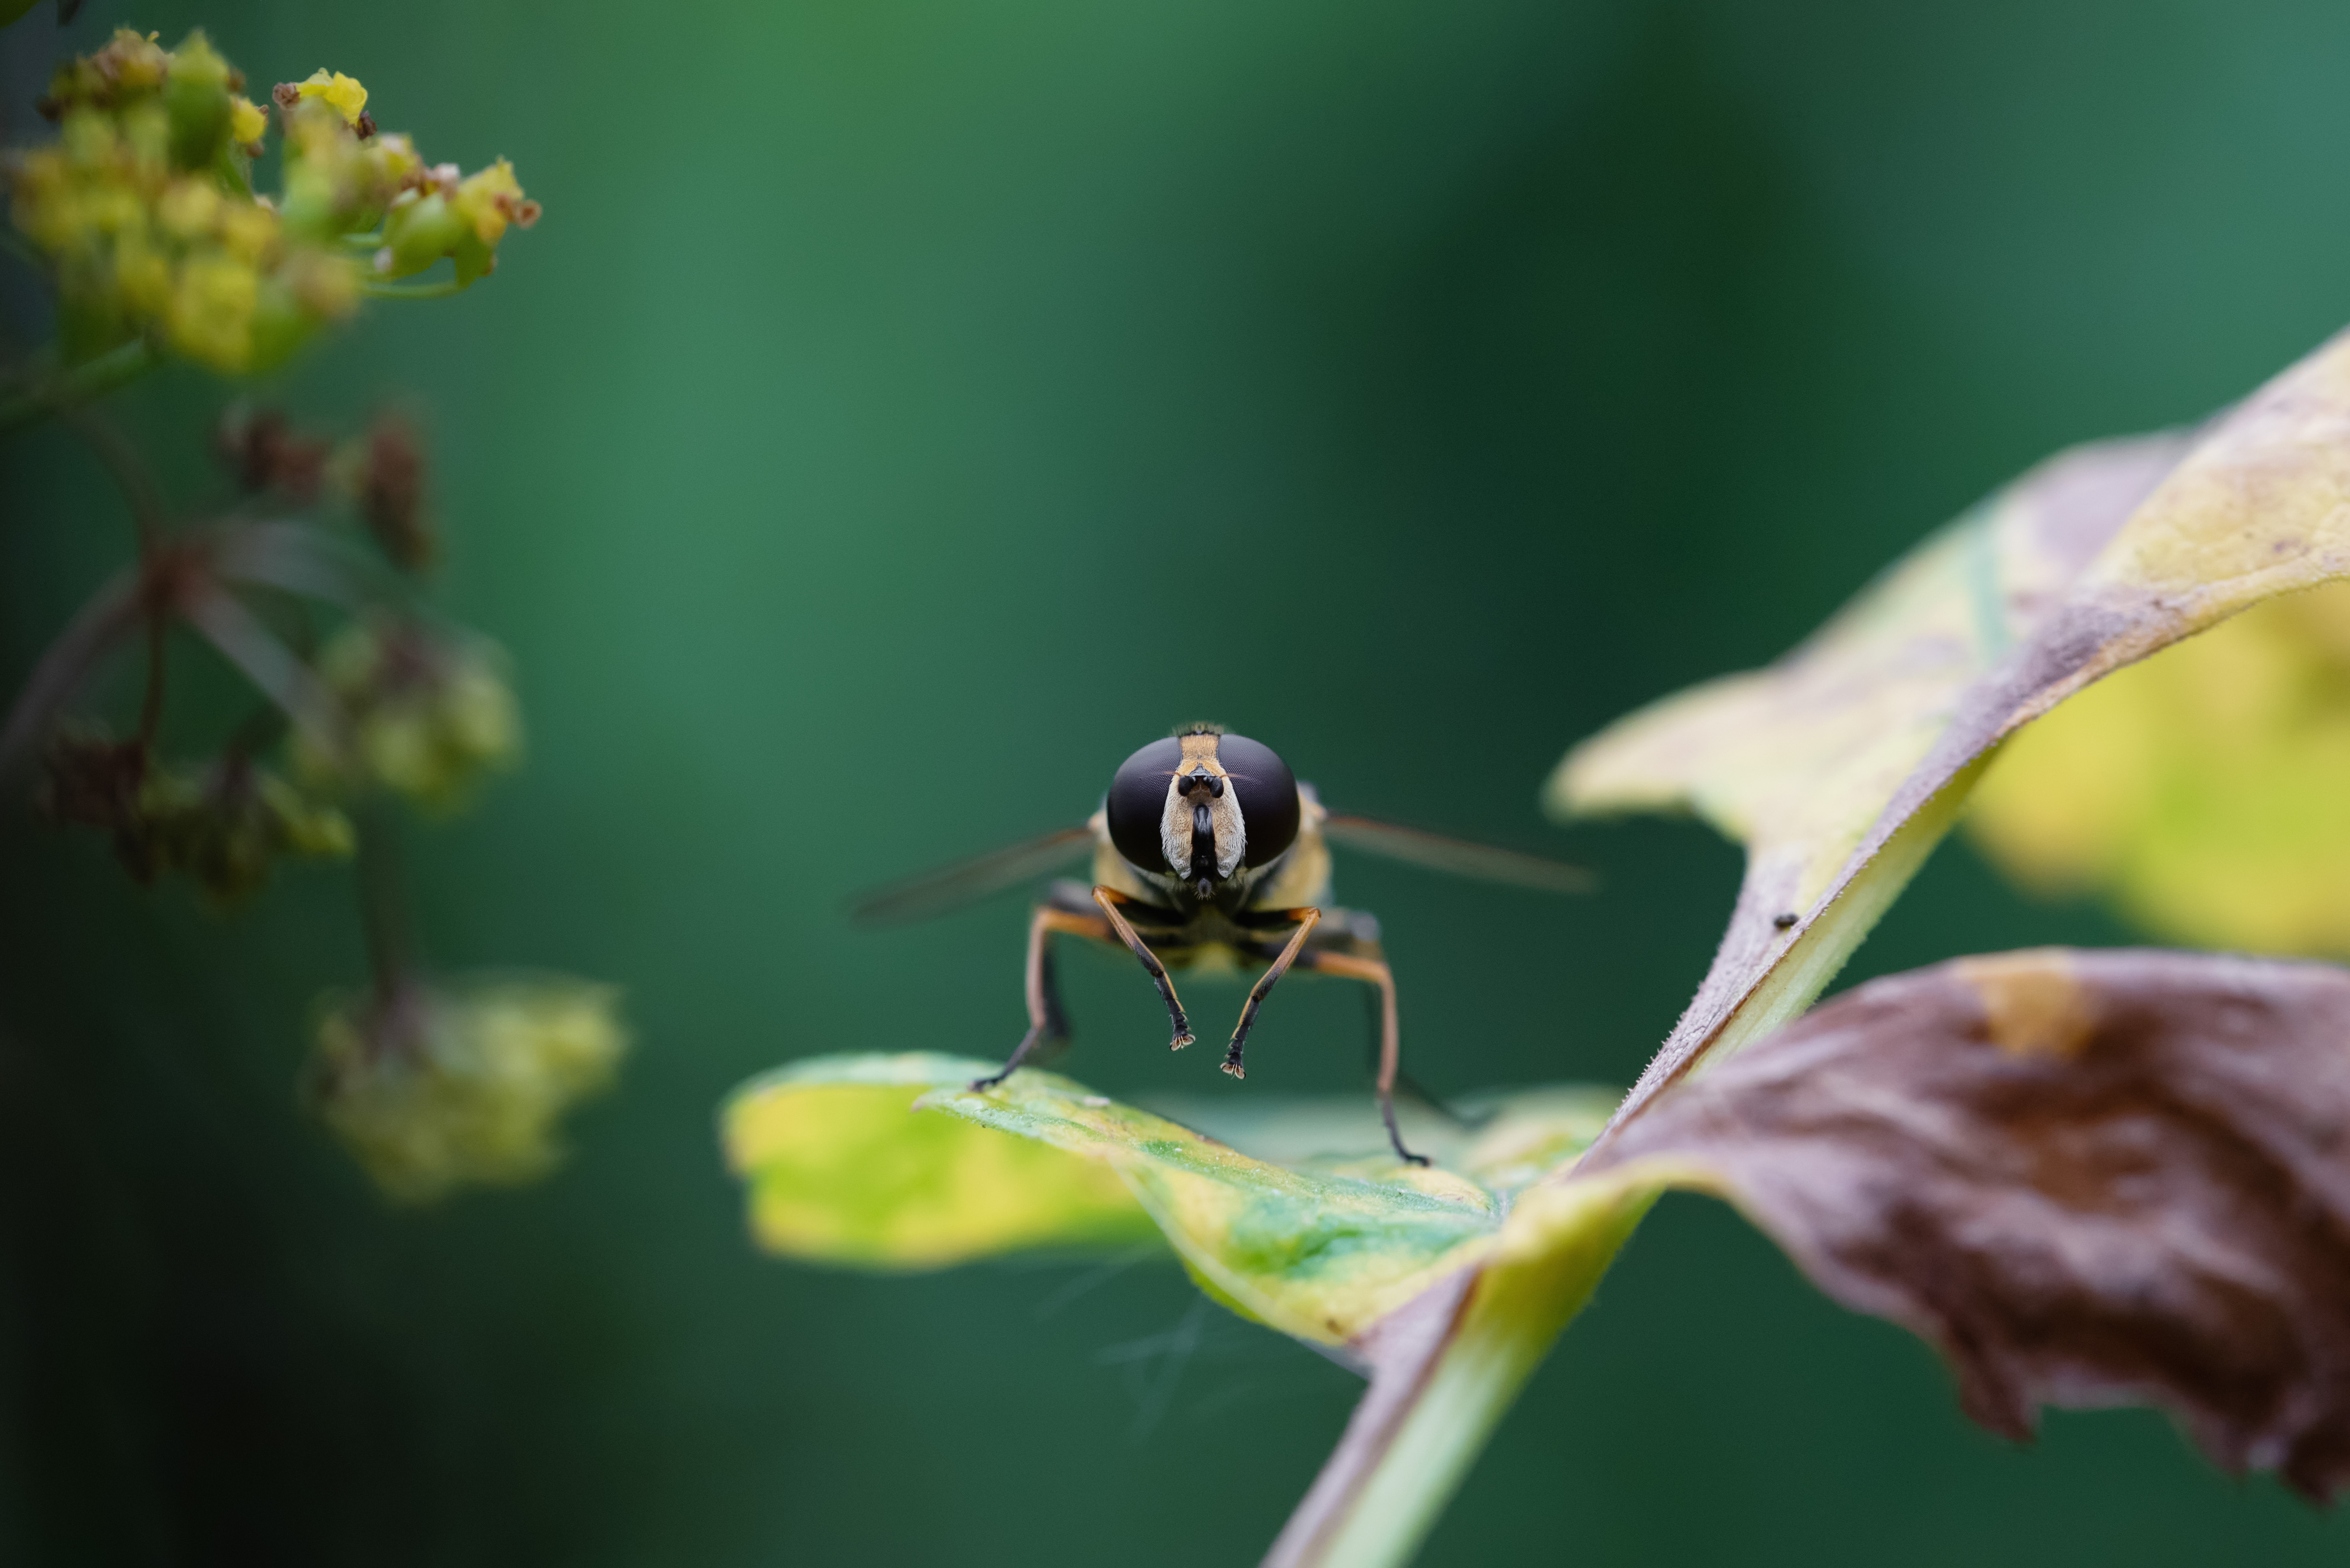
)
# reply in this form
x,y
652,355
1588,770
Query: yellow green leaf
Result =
x,y
1816,761
2201,790
1841,765
1318,1247
1316,1253
842,1171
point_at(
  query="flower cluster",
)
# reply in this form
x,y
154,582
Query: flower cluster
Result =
x,y
428,712
221,825
144,206
143,211
441,1086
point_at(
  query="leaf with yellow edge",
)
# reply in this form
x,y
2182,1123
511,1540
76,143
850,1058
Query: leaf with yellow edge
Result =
x,y
1318,1247
1316,1253
2201,790
841,1171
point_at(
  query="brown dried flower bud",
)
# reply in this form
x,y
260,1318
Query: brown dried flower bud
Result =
x,y
264,453
92,780
391,494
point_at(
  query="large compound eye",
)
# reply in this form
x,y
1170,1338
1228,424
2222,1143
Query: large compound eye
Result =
x,y
1138,804
1268,795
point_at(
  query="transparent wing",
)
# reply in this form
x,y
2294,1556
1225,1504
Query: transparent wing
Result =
x,y
1455,855
967,881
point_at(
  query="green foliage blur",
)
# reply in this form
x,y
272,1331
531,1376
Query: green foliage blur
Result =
x,y
907,409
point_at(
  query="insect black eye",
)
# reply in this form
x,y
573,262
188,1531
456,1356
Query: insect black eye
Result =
x,y
1268,797
1138,804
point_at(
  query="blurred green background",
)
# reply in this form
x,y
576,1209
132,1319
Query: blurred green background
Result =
x,y
908,407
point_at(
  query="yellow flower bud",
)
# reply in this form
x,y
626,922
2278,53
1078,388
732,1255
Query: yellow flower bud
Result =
x,y
189,208
343,93
327,286
211,315
134,62
246,123
248,230
491,199
143,279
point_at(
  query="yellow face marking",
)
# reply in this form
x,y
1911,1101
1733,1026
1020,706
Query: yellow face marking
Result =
x,y
1224,810
1200,751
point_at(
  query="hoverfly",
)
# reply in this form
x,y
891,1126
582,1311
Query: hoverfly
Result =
x,y
1208,856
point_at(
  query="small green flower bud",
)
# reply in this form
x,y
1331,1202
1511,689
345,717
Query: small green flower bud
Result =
x,y
197,99
418,232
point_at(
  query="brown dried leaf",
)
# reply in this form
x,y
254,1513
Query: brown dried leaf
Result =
x,y
2089,1178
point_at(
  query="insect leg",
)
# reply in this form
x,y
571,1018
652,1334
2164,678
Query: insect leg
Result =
x,y
1044,1019
1306,920
1375,971
1109,898
1411,1088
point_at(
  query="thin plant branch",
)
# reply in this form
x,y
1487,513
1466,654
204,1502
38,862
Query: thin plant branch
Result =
x,y
110,617
258,654
79,383
286,556
441,290
149,513
383,912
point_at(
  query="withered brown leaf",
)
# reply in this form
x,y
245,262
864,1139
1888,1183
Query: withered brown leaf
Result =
x,y
2090,1178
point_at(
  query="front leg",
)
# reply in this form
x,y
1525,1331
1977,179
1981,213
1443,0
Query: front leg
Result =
x,y
1376,973
1109,898
1306,920
1045,1020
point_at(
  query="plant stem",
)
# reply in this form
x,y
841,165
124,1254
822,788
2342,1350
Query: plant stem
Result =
x,y
383,908
149,517
1515,1311
150,703
129,473
16,244
1809,969
79,383
1522,1304
441,290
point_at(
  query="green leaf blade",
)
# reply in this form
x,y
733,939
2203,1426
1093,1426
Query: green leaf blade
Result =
x,y
1318,1253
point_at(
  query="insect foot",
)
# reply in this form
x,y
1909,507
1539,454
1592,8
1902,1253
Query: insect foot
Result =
x,y
1231,1065
1180,1039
